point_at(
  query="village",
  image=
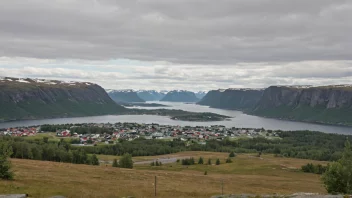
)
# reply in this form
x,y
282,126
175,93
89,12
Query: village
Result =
x,y
107,133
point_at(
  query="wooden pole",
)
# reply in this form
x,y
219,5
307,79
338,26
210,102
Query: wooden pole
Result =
x,y
155,186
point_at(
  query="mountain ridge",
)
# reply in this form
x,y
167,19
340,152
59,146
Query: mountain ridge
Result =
x,y
124,95
180,96
25,98
235,99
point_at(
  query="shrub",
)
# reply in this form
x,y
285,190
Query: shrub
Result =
x,y
232,154
200,161
5,164
126,161
209,161
189,161
217,161
338,176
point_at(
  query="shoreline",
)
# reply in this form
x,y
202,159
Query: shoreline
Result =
x,y
284,119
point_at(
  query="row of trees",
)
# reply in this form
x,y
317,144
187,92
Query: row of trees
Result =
x,y
191,161
48,151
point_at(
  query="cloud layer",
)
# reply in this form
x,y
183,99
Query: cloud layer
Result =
x,y
190,44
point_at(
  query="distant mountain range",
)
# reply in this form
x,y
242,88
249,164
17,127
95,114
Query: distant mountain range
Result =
x,y
130,96
180,96
200,94
151,95
38,98
324,104
124,96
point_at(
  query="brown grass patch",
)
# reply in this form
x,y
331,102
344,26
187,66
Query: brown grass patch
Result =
x,y
247,174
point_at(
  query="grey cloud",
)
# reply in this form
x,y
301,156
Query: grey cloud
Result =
x,y
219,32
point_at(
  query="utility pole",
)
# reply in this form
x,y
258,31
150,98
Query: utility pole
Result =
x,y
155,186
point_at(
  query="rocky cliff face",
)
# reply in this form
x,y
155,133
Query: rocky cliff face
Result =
x,y
180,96
124,96
34,98
327,104
239,99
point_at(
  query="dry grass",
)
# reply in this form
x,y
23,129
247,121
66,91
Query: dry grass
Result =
x,y
247,174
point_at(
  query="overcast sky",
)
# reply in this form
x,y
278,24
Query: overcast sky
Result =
x,y
178,44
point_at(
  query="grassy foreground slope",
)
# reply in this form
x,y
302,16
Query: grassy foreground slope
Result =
x,y
247,174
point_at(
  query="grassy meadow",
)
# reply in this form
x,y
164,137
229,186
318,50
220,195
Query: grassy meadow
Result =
x,y
247,174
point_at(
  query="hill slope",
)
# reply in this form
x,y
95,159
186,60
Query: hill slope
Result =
x,y
180,96
124,96
326,104
253,175
240,99
34,99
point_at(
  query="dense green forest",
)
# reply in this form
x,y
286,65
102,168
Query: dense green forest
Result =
x,y
297,144
48,151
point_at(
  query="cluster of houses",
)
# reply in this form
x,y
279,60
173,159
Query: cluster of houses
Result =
x,y
20,132
131,131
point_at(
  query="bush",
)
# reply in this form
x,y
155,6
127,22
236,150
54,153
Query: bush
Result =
x,y
217,161
228,160
209,161
5,164
189,161
126,161
232,154
94,160
200,161
338,176
311,168
205,172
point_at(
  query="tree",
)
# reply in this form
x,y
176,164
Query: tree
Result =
x,y
232,154
115,163
126,161
217,161
338,176
205,172
5,164
95,160
45,139
209,161
228,160
200,161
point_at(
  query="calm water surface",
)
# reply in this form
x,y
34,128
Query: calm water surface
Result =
x,y
239,120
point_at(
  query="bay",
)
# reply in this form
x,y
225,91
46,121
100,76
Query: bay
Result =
x,y
239,119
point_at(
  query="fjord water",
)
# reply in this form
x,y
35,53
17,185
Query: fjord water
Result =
x,y
238,119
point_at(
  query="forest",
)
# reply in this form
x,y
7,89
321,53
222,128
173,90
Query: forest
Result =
x,y
295,144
